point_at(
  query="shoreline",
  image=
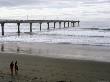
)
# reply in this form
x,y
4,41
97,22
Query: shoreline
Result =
x,y
53,58
61,43
58,51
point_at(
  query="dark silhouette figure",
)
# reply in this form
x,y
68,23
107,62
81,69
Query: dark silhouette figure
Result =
x,y
18,49
11,67
2,47
16,68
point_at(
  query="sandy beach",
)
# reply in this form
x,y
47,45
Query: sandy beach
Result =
x,y
35,68
54,40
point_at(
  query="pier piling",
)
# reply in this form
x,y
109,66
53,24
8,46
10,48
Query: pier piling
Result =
x,y
30,27
68,24
48,26
2,28
73,24
78,23
60,25
54,25
18,28
40,26
64,24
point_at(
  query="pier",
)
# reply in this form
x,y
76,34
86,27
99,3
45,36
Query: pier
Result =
x,y
18,22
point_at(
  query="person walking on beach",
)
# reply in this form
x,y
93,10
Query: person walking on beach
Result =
x,y
16,68
11,67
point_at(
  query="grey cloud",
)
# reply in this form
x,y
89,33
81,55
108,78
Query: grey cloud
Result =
x,y
104,12
48,3
89,14
12,3
94,1
40,3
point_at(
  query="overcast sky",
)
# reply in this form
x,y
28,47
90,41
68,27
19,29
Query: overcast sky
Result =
x,y
80,9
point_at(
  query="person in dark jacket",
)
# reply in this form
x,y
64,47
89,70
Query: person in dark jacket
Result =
x,y
16,68
11,67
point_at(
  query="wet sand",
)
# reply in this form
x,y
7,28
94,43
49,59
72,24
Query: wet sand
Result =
x,y
61,50
43,69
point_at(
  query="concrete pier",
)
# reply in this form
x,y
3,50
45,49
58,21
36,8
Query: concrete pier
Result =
x,y
18,22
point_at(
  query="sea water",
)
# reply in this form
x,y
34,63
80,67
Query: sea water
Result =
x,y
88,33
91,33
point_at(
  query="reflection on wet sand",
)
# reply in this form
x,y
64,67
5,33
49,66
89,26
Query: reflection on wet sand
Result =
x,y
6,48
22,49
12,48
18,49
2,47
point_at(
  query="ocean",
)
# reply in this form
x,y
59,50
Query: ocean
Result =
x,y
88,33
89,41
